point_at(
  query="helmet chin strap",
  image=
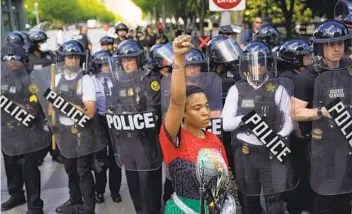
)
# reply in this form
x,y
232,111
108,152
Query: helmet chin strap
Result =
x,y
257,84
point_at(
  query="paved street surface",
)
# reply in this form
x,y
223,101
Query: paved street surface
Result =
x,y
55,191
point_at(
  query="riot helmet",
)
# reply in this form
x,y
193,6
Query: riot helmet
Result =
x,y
153,49
294,53
257,63
223,51
128,60
107,43
332,42
14,38
101,62
70,50
163,57
195,63
269,35
39,39
121,27
229,30
14,56
343,12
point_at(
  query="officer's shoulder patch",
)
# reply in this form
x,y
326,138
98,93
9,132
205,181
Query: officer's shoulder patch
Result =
x,y
33,88
155,85
33,99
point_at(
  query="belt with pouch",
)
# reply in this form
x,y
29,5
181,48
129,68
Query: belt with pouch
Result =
x,y
247,148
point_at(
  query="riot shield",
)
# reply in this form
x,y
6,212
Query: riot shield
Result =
x,y
331,147
60,93
211,83
22,121
133,121
260,139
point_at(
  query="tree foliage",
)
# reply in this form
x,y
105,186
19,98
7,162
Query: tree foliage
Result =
x,y
285,12
68,11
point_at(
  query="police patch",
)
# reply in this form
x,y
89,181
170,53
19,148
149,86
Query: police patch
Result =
x,y
155,85
269,87
33,99
33,89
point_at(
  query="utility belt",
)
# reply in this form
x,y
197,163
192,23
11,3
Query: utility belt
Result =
x,y
247,148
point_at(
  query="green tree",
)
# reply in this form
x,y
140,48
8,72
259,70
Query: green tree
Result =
x,y
68,11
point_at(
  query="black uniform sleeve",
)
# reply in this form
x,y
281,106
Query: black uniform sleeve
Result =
x,y
304,86
152,87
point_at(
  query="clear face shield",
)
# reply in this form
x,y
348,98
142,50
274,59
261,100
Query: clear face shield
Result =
x,y
126,68
227,51
257,68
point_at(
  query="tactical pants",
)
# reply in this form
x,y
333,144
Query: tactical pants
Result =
x,y
301,198
255,172
145,190
24,169
80,179
332,204
114,172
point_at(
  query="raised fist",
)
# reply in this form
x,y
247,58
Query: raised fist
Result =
x,y
182,44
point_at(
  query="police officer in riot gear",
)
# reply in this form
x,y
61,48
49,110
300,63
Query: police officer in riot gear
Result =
x,y
195,63
223,54
293,57
22,142
39,56
257,171
107,43
269,35
137,90
323,81
161,59
104,160
121,31
77,143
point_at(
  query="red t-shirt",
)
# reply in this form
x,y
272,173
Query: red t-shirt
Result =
x,y
181,159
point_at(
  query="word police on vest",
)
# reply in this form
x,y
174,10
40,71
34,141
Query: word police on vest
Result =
x,y
17,112
342,118
215,126
130,122
67,108
266,135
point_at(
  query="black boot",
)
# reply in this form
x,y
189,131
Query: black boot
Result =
x,y
12,202
116,197
68,203
99,198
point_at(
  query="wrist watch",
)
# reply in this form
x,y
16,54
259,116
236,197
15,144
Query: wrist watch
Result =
x,y
319,112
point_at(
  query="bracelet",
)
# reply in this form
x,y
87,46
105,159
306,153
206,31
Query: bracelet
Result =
x,y
174,65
